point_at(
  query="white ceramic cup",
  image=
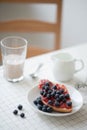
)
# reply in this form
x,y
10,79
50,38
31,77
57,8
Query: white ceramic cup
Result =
x,y
64,66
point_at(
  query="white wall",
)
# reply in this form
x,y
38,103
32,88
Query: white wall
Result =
x,y
74,21
74,26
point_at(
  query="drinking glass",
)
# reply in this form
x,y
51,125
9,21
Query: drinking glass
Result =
x,y
13,50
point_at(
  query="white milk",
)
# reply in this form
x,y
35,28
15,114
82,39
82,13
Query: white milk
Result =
x,y
13,67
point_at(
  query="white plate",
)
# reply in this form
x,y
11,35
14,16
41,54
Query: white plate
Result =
x,y
77,101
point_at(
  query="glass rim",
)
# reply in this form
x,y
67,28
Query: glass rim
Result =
x,y
18,37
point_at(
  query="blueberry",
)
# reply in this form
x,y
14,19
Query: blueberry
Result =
x,y
45,106
22,115
20,107
43,87
39,101
39,107
53,93
69,103
15,112
46,88
41,92
57,103
64,100
44,109
49,91
47,84
35,102
57,99
58,92
54,87
49,109
61,91
48,95
67,96
39,98
50,102
44,94
56,95
61,97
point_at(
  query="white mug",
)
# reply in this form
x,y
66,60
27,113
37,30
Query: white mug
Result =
x,y
64,66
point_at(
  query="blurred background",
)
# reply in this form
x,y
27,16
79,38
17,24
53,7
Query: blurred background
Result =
x,y
73,24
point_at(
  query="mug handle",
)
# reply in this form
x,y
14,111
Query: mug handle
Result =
x,y
82,65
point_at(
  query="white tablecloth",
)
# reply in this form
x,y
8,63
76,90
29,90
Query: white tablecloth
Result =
x,y
13,94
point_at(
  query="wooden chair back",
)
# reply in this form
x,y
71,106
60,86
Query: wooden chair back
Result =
x,y
35,25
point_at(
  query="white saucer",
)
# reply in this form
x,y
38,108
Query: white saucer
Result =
x,y
77,101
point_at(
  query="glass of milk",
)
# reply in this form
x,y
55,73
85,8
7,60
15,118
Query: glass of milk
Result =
x,y
13,55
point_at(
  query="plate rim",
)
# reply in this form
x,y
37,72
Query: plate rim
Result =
x,y
55,114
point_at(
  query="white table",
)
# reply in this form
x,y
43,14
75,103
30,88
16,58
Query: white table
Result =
x,y
13,94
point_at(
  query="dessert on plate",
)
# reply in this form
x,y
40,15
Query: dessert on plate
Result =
x,y
53,97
